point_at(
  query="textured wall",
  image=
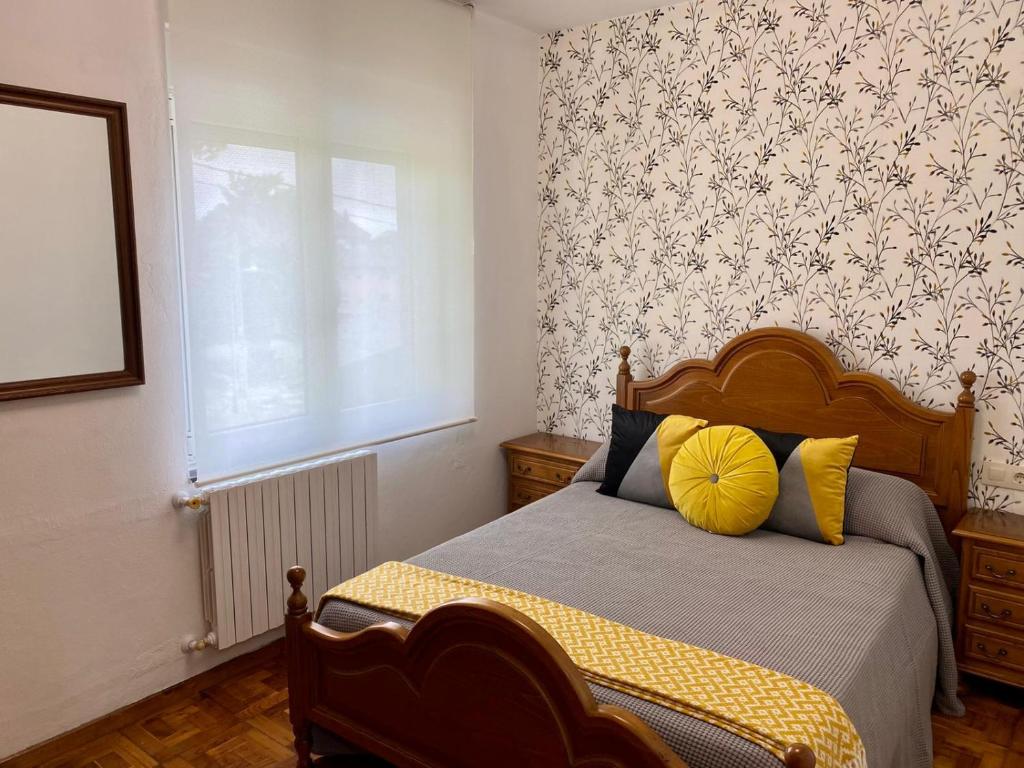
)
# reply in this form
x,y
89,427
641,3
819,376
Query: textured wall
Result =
x,y
99,576
851,169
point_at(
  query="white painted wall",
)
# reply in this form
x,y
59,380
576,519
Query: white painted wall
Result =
x,y
98,575
438,486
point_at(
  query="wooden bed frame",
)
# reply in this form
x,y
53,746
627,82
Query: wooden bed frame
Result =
x,y
476,683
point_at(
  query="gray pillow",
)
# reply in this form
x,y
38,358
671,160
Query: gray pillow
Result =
x,y
593,470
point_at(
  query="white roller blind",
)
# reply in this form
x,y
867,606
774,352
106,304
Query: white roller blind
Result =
x,y
324,158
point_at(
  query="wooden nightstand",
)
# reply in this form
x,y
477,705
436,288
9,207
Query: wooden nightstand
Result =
x,y
540,464
990,616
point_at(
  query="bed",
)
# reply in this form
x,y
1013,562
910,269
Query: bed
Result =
x,y
474,683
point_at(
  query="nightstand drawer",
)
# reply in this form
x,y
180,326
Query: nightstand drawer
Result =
x,y
997,567
994,649
541,463
990,616
538,469
1002,608
521,493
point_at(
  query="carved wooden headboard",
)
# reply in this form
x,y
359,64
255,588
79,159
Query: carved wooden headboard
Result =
x,y
787,381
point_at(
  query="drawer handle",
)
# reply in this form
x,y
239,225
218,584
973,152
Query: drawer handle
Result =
x,y
1007,575
560,479
1001,653
526,469
1003,615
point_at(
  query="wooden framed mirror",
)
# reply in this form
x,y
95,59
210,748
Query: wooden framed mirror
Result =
x,y
69,292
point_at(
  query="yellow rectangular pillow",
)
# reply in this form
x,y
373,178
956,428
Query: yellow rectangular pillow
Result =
x,y
812,484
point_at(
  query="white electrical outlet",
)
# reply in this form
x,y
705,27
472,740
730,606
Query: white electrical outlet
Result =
x,y
1003,475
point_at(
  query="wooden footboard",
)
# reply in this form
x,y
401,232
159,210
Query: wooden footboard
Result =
x,y
473,683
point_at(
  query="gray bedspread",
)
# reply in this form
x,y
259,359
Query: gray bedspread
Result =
x,y
868,622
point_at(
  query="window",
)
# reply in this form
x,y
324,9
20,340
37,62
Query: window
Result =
x,y
324,157
246,284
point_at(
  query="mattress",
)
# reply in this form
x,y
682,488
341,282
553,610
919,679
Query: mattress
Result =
x,y
868,621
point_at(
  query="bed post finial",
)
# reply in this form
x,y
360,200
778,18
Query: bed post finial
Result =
x,y
624,378
966,398
799,756
958,501
297,602
624,353
300,664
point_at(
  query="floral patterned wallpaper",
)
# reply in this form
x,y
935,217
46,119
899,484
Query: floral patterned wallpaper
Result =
x,y
850,168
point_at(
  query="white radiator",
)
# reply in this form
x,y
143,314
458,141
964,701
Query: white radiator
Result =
x,y
320,515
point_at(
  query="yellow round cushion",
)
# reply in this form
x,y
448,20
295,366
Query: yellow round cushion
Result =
x,y
724,480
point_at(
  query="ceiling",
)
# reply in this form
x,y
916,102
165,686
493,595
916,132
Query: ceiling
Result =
x,y
549,15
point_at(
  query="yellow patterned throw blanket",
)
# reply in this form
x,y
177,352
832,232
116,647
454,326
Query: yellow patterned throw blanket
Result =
x,y
764,707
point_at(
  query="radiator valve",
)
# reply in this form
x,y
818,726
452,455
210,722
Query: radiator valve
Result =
x,y
197,502
193,645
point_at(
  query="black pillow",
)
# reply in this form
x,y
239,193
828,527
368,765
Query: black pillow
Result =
x,y
630,432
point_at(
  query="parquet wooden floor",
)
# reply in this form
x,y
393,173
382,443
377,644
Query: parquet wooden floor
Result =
x,y
991,735
240,720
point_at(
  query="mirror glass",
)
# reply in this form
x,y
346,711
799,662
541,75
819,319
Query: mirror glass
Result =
x,y
60,312
69,286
